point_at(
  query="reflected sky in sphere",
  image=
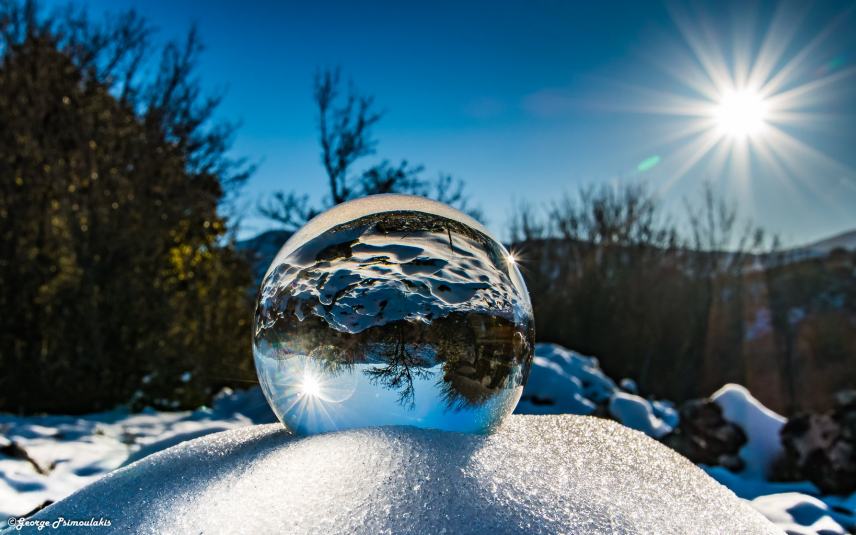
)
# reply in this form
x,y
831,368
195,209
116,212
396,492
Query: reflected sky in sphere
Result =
x,y
393,310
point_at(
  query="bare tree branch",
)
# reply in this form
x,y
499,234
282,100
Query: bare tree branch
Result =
x,y
345,122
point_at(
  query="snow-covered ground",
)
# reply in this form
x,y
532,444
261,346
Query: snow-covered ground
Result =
x,y
563,381
46,458
535,475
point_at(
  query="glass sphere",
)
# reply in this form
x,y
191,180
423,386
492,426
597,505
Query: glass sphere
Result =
x,y
393,310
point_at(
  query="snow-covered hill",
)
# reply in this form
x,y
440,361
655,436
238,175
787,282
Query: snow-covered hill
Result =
x,y
537,474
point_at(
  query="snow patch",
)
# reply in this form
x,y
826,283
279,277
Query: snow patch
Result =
x,y
636,413
562,381
761,425
57,455
798,514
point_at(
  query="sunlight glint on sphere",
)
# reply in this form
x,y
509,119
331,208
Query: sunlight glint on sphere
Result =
x,y
741,114
310,386
393,310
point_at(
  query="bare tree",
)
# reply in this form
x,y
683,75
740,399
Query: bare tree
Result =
x,y
525,223
714,230
345,122
627,215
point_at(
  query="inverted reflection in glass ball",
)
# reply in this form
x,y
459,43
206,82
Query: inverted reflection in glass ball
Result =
x,y
393,310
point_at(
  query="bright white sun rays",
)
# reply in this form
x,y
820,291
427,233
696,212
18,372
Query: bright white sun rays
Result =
x,y
751,99
310,386
311,394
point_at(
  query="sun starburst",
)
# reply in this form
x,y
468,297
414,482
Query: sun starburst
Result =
x,y
746,100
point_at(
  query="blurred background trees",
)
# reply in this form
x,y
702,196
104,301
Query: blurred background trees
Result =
x,y
118,278
685,308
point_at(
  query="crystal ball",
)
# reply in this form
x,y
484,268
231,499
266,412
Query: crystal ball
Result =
x,y
393,310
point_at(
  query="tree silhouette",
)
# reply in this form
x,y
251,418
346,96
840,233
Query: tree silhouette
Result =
x,y
345,122
403,362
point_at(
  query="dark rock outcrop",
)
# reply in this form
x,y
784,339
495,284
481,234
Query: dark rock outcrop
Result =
x,y
705,436
821,447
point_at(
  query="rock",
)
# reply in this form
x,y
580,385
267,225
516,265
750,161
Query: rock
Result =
x,y
537,474
12,449
704,436
822,447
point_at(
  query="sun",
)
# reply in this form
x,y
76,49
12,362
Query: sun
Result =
x,y
747,104
310,386
741,114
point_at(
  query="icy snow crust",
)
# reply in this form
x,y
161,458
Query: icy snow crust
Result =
x,y
538,474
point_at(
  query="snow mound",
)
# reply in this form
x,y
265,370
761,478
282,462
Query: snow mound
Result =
x,y
637,413
798,514
562,381
761,425
537,474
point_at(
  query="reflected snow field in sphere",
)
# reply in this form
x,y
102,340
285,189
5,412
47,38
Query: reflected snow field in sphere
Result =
x,y
393,310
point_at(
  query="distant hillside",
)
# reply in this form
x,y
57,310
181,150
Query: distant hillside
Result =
x,y
845,240
262,249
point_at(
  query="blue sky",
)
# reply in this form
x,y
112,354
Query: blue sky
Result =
x,y
525,100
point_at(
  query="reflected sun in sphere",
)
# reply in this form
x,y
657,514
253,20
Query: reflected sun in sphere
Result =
x,y
310,386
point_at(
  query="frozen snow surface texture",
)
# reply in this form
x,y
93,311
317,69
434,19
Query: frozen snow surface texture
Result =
x,y
537,474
